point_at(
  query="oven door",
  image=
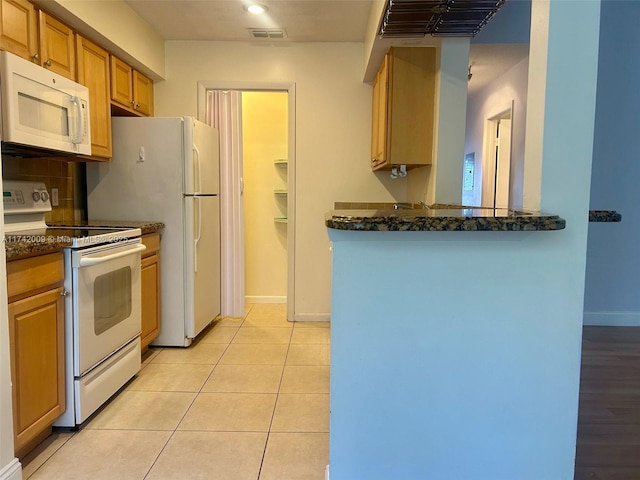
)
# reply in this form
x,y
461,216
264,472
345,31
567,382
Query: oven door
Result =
x,y
106,301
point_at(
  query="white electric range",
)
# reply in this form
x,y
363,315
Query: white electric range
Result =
x,y
102,303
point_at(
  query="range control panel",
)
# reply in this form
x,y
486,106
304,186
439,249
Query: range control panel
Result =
x,y
25,197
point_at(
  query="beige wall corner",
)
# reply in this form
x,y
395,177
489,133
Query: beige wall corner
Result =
x,y
371,60
536,94
451,108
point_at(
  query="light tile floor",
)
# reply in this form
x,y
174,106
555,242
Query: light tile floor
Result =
x,y
248,400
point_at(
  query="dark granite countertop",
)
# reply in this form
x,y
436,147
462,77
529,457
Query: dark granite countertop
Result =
x,y
441,218
381,216
29,245
22,246
145,227
602,216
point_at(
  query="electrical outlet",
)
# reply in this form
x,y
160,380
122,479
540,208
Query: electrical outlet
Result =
x,y
54,197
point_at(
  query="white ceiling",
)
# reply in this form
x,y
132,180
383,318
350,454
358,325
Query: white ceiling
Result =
x,y
226,20
303,21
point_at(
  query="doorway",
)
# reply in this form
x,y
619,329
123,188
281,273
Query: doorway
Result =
x,y
496,161
258,231
265,163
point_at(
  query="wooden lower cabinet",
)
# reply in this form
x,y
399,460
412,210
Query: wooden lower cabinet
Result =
x,y
36,341
150,280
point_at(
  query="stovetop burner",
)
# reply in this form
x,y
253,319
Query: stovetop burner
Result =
x,y
27,203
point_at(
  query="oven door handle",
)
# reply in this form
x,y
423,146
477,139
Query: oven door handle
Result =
x,y
96,259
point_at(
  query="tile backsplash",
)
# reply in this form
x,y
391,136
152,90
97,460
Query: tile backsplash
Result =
x,y
55,173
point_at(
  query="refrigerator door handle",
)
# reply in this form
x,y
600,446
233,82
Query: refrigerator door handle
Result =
x,y
198,234
196,167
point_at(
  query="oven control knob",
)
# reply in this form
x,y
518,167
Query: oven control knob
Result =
x,y
36,196
44,195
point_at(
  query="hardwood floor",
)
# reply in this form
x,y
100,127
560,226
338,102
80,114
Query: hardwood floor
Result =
x,y
608,444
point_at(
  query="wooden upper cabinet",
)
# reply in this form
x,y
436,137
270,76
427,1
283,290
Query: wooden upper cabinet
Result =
x,y
93,73
379,115
404,109
19,28
131,91
142,93
121,83
57,46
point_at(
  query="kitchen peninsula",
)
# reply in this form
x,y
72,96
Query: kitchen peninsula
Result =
x,y
403,217
446,344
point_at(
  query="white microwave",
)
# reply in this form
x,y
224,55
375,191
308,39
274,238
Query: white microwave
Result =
x,y
42,109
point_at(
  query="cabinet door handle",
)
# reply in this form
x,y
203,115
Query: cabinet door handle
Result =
x,y
47,63
35,57
64,293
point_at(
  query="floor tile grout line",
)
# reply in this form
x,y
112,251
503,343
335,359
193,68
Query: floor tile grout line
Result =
x,y
243,324
191,403
275,405
159,453
73,434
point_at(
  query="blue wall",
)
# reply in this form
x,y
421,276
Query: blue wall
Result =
x,y
509,25
613,263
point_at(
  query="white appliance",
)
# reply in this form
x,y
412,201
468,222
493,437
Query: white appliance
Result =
x,y
167,169
102,282
42,109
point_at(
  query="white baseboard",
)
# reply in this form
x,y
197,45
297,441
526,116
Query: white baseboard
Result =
x,y
326,473
312,317
12,470
263,299
612,319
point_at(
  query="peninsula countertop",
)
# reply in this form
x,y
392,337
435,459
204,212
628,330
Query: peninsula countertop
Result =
x,y
441,218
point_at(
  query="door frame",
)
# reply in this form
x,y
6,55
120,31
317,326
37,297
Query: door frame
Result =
x,y
489,165
290,88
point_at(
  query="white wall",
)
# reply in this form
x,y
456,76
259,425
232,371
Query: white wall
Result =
x,y
333,128
264,139
10,468
486,103
613,263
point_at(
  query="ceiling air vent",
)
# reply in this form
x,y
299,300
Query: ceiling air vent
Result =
x,y
271,33
454,18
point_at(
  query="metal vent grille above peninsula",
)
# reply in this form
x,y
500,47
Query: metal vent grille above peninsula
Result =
x,y
417,18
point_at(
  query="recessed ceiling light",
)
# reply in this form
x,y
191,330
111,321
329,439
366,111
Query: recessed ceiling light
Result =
x,y
256,9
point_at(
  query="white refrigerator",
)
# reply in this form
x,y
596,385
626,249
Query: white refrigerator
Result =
x,y
167,170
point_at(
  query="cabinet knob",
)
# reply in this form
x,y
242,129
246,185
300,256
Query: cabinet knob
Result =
x,y
64,293
137,105
133,103
47,63
35,57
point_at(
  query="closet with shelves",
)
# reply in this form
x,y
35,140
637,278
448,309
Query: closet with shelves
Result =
x,y
282,193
